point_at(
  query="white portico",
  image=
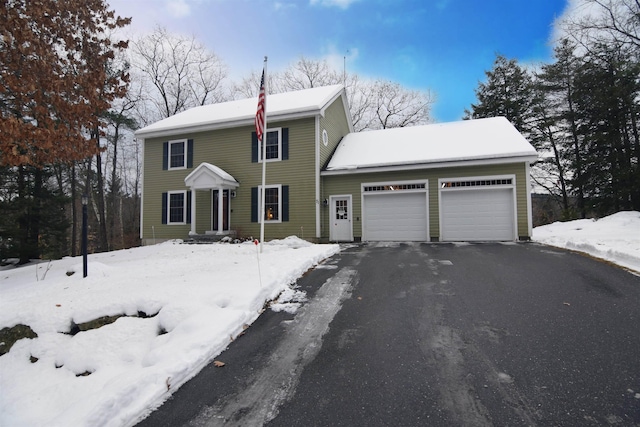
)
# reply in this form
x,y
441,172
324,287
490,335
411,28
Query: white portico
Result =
x,y
221,184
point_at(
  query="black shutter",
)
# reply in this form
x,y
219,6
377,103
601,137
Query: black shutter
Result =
x,y
285,203
254,147
164,208
189,153
254,204
165,156
285,144
188,207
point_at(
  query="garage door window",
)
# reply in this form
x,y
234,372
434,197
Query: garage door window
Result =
x,y
477,183
394,187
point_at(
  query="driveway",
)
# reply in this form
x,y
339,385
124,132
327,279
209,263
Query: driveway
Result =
x,y
434,335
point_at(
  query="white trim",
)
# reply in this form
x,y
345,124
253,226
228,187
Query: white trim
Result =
x,y
220,213
434,165
266,134
193,212
350,213
512,187
184,207
260,204
184,156
529,205
142,192
364,194
317,178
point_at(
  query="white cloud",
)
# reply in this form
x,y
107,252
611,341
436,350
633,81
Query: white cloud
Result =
x,y
574,11
342,4
178,8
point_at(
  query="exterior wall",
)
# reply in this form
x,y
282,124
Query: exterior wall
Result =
x,y
230,149
352,184
336,124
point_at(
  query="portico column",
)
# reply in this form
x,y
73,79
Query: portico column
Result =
x,y
193,211
220,210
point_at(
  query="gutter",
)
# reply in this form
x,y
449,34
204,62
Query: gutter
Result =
x,y
427,165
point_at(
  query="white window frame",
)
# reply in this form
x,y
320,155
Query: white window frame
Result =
x,y
279,187
184,160
184,207
279,158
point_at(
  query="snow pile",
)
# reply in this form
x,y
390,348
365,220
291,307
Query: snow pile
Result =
x,y
182,306
615,238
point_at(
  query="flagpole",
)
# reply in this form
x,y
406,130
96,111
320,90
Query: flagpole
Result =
x,y
264,157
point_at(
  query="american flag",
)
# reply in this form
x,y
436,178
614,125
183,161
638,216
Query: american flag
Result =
x,y
260,113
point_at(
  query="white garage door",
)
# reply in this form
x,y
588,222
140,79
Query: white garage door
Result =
x,y
477,215
395,217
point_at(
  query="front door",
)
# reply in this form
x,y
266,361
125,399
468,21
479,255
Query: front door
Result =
x,y
225,210
341,229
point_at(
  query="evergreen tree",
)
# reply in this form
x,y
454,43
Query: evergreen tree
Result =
x,y
607,93
507,92
555,128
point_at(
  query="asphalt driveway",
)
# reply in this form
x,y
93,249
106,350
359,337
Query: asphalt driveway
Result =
x,y
434,335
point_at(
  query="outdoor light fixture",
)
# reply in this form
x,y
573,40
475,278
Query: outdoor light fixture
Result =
x,y
85,202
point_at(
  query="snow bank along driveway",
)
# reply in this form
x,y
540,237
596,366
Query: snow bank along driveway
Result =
x,y
615,238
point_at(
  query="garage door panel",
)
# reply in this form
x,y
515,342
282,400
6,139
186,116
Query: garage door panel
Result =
x,y
477,215
395,217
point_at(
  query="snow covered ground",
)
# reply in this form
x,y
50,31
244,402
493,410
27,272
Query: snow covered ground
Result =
x,y
615,238
196,298
204,296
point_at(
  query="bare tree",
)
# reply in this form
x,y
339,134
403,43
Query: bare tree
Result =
x,y
391,105
182,72
249,86
606,21
307,73
375,104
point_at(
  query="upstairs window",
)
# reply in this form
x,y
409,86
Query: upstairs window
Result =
x,y
273,145
276,145
177,154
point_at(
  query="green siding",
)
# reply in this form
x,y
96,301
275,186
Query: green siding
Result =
x,y
352,184
336,124
230,149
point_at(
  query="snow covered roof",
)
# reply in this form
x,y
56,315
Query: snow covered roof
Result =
x,y
207,175
301,103
467,140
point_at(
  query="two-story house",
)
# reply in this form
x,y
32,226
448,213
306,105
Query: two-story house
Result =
x,y
460,181
202,168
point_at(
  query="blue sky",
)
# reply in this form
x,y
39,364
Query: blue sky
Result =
x,y
443,46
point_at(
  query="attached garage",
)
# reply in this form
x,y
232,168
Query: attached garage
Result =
x,y
395,212
477,210
473,176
